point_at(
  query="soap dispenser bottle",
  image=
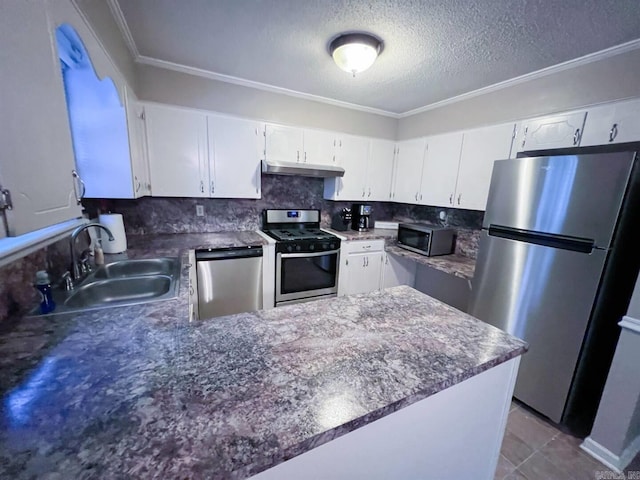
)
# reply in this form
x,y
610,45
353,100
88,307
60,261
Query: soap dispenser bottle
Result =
x,y
43,285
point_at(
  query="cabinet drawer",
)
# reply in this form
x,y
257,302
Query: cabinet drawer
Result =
x,y
359,246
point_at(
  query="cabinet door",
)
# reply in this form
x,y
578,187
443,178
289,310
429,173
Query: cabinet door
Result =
x,y
409,157
363,272
440,170
284,144
558,131
319,147
37,155
177,152
480,148
352,154
398,271
380,170
137,145
615,123
234,157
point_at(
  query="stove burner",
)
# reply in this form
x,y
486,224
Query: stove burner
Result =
x,y
298,234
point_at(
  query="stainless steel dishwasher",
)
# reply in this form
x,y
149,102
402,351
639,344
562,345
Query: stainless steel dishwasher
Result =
x,y
229,280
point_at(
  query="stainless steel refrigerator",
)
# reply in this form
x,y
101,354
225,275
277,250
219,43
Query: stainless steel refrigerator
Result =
x,y
546,272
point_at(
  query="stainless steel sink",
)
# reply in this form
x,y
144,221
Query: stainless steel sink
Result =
x,y
126,282
120,291
129,268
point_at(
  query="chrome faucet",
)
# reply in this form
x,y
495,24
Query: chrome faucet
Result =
x,y
77,274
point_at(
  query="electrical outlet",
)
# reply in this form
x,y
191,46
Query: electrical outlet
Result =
x,y
199,211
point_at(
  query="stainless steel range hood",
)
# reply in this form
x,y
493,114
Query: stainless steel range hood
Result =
x,y
301,169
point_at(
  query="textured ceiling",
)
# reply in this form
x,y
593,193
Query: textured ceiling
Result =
x,y
433,49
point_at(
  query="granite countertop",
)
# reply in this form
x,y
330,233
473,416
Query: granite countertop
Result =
x,y
454,264
140,391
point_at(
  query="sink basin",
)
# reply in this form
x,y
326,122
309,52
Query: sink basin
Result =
x,y
130,268
126,282
120,291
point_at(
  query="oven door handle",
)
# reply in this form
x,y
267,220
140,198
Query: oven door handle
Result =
x,y
300,255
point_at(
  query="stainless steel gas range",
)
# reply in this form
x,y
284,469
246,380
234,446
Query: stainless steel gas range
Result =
x,y
307,258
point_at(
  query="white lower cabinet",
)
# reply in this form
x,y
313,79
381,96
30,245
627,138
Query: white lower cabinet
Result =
x,y
361,266
398,271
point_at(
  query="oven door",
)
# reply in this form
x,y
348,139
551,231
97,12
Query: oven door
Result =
x,y
305,275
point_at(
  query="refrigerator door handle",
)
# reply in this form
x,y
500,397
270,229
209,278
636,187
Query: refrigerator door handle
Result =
x,y
564,242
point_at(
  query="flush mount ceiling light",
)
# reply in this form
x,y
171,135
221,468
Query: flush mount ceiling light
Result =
x,y
355,52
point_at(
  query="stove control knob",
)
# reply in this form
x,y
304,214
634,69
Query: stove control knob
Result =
x,y
332,246
312,247
289,248
298,248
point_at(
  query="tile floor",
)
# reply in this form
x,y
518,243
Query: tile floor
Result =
x,y
534,449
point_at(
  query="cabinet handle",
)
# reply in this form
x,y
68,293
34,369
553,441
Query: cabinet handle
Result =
x,y
420,196
613,133
305,157
201,186
369,192
213,188
76,180
363,192
416,196
451,199
297,155
364,262
459,197
258,180
576,137
524,136
138,184
366,246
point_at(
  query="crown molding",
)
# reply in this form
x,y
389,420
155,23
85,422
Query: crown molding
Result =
x,y
118,16
142,59
560,67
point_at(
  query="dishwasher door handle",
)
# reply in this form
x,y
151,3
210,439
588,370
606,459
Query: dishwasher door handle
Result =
x,y
228,253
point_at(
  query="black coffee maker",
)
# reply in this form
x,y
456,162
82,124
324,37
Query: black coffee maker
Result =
x,y
341,220
360,217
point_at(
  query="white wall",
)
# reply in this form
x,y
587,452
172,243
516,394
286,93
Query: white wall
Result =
x,y
606,80
177,88
99,15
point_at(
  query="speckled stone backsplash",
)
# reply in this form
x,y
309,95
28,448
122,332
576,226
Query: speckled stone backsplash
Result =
x,y
17,296
178,215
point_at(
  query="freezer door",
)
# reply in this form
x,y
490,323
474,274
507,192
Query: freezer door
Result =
x,y
571,195
543,295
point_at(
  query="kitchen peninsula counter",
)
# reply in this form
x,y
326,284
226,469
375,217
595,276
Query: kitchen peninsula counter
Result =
x,y
141,392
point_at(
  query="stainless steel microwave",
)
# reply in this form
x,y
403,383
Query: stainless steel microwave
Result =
x,y
429,240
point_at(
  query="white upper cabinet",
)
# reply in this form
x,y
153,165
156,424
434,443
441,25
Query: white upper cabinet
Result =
x,y
480,148
319,147
178,157
613,123
380,170
284,144
292,144
440,170
409,159
138,145
352,154
234,157
547,133
37,154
